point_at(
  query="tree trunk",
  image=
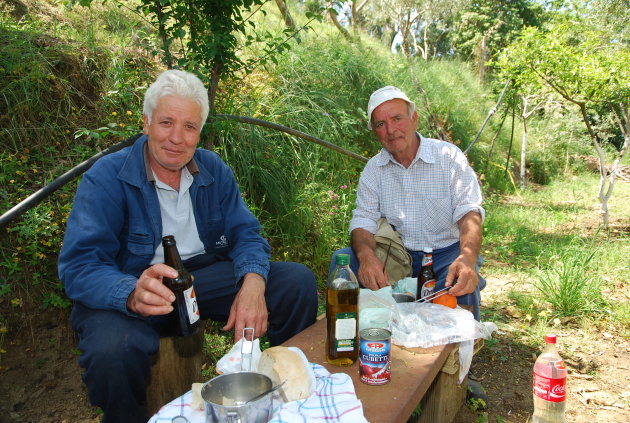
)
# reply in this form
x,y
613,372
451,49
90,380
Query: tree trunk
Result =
x,y
344,31
523,152
482,59
604,192
168,58
357,19
212,94
425,38
288,20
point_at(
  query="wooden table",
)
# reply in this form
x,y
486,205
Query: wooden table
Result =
x,y
414,371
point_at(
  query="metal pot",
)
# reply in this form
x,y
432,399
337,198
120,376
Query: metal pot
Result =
x,y
226,398
403,298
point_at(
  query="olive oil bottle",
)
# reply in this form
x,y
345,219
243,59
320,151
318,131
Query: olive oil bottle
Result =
x,y
342,314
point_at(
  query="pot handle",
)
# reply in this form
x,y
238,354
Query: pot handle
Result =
x,y
233,417
246,350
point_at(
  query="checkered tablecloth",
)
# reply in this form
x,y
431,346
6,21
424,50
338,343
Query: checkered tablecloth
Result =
x,y
334,401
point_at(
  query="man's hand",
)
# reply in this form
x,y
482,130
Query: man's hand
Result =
x,y
464,272
249,309
463,269
151,297
372,273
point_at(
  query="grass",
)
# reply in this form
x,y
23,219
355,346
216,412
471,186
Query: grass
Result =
x,y
561,265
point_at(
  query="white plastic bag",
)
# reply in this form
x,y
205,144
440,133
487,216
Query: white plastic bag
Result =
x,y
407,286
427,325
232,362
376,308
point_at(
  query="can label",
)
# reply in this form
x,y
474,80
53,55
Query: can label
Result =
x,y
549,389
375,356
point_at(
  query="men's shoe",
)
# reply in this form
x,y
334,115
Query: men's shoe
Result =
x,y
476,397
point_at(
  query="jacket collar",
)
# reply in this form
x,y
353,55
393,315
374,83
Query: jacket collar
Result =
x,y
136,171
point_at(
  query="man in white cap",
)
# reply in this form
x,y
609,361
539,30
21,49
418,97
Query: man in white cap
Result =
x,y
428,192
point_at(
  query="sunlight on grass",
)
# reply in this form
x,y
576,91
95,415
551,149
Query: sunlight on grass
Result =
x,y
549,242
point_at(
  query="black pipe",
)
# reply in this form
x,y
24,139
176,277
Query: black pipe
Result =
x,y
38,196
292,131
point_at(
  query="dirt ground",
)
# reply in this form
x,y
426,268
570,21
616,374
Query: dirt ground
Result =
x,y
41,381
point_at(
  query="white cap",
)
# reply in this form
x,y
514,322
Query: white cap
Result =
x,y
382,95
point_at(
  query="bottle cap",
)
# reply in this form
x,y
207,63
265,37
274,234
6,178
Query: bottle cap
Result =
x,y
168,240
342,259
428,250
550,339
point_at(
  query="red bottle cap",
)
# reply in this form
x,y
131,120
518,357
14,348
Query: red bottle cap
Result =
x,y
550,339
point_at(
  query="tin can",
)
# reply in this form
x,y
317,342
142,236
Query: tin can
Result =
x,y
375,356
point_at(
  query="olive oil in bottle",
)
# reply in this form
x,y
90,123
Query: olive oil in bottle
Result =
x,y
342,314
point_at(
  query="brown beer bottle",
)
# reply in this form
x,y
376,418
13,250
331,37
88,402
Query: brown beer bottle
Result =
x,y
426,276
342,314
185,309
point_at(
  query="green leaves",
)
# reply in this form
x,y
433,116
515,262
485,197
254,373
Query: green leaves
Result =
x,y
579,62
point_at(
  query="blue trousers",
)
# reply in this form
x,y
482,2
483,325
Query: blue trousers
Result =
x,y
442,259
117,348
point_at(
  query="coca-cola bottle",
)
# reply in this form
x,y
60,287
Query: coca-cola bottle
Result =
x,y
185,309
426,276
550,378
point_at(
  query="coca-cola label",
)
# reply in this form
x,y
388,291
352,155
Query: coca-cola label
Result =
x,y
191,305
549,389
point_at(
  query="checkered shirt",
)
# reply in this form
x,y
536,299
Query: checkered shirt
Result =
x,y
424,201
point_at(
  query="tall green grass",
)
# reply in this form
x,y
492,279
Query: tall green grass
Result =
x,y
570,283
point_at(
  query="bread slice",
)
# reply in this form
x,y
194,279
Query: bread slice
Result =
x,y
281,364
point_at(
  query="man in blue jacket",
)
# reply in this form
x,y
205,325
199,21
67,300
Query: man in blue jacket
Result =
x,y
111,262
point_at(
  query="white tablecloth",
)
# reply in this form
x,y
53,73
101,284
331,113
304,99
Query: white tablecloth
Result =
x,y
334,401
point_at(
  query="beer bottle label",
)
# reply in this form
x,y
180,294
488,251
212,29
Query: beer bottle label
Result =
x,y
191,305
427,288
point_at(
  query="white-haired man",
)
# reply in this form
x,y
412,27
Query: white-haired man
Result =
x,y
111,262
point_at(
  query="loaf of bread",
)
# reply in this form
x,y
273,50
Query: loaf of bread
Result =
x,y
284,364
197,402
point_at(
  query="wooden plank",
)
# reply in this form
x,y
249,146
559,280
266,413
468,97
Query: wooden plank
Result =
x,y
445,396
176,366
413,372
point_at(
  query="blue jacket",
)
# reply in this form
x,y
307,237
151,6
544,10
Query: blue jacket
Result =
x,y
115,226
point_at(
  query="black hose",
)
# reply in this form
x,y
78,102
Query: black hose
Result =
x,y
292,131
38,196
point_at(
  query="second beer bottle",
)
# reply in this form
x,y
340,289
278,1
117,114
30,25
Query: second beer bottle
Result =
x,y
185,309
426,276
